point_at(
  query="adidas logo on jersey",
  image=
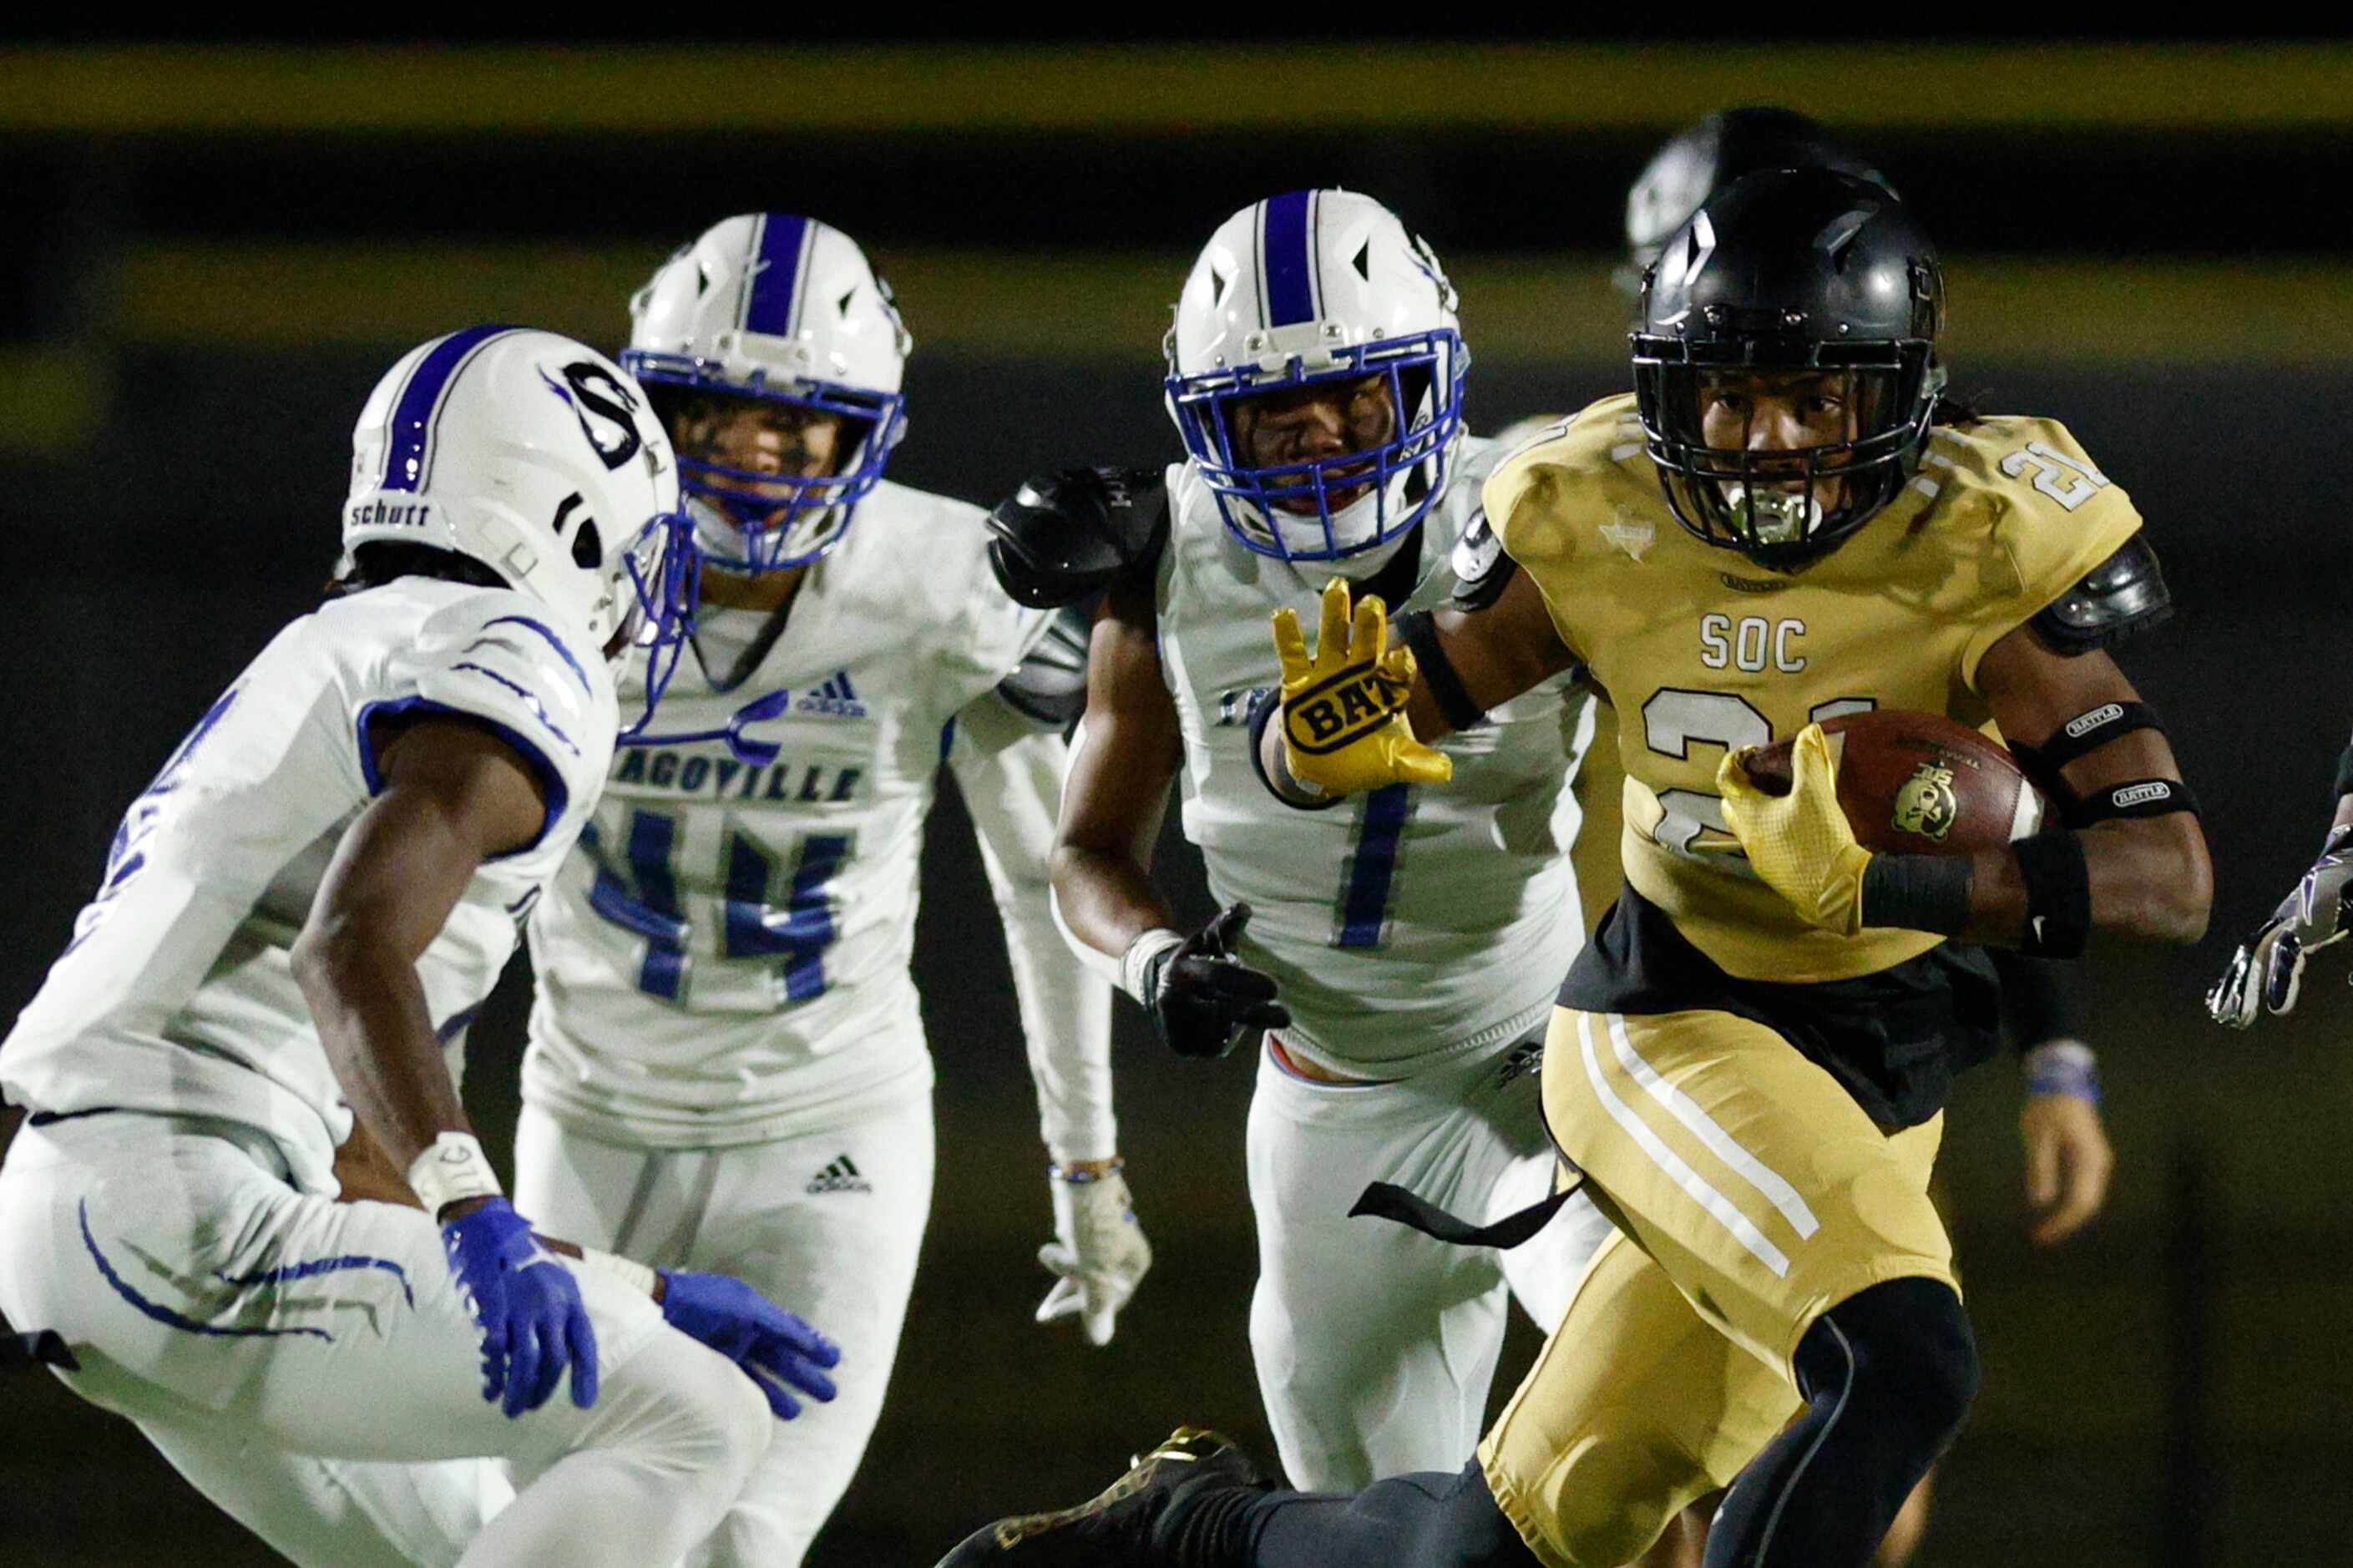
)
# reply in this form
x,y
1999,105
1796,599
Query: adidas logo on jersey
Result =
x,y
835,699
841,1176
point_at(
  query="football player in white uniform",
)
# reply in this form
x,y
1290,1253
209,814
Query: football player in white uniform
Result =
x,y
298,918
1401,952
728,1067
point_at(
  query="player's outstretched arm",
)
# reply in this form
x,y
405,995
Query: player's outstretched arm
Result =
x,y
453,795
1201,998
1099,1253
1358,711
2267,971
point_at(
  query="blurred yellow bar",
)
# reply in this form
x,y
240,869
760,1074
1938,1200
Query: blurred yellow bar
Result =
x,y
1065,306
168,89
52,401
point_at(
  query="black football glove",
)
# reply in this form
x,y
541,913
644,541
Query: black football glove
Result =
x,y
2270,967
1068,534
1204,998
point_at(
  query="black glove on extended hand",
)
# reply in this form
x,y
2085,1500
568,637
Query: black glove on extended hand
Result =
x,y
1204,998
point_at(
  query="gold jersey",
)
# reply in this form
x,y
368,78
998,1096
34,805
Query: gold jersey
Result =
x,y
1700,650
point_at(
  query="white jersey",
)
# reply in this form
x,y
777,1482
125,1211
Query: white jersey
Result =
x,y
176,994
1407,924
725,960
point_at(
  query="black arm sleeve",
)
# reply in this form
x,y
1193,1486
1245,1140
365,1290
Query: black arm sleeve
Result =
x,y
2037,1000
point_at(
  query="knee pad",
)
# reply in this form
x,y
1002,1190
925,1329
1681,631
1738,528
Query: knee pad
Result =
x,y
1903,1351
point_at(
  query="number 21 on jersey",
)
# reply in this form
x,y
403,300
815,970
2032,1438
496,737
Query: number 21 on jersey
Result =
x,y
1675,720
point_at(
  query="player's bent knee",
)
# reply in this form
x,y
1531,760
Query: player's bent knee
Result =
x,y
709,1425
1905,1350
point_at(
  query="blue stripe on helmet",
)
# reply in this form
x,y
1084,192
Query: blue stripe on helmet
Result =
x,y
775,274
1290,259
412,417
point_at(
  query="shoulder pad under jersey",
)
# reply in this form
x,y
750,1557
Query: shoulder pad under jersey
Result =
x,y
1482,570
2124,594
1050,688
1064,536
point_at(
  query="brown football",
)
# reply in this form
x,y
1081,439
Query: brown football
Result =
x,y
1918,784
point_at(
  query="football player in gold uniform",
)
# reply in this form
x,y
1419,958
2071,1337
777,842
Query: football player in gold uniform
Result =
x,y
2068,1158
1749,1063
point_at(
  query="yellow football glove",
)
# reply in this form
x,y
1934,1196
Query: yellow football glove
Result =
x,y
1800,842
1343,724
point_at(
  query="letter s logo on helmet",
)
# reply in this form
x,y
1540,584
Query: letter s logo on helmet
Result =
x,y
539,458
1299,291
591,388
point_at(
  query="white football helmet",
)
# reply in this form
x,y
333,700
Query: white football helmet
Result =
x,y
539,458
786,309
1308,287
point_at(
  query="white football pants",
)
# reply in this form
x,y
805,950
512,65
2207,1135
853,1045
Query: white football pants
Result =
x,y
274,1346
828,1225
1374,1344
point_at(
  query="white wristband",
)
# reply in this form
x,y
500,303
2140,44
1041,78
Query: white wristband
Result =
x,y
637,1275
452,1168
1135,963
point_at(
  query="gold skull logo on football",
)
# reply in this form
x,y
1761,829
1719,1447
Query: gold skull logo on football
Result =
x,y
1927,804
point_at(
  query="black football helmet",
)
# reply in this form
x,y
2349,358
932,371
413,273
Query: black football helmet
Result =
x,y
1701,160
1813,273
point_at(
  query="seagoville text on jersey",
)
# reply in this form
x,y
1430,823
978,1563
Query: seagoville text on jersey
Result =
x,y
721,778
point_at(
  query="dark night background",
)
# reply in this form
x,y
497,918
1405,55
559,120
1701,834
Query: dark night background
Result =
x,y
213,255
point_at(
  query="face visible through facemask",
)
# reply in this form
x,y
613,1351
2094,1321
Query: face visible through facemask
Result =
x,y
1322,423
760,444
1767,414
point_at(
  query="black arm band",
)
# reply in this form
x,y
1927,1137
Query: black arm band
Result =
x,y
2080,736
1454,704
2344,773
1917,892
2136,797
1265,703
2058,894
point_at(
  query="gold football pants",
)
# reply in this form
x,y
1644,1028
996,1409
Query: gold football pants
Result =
x,y
1754,1195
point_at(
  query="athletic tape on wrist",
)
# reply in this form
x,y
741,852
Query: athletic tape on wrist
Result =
x,y
1139,975
2058,893
452,1169
2063,1067
2135,797
1419,632
636,1276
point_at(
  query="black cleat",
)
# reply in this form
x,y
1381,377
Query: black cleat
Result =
x,y
1121,1527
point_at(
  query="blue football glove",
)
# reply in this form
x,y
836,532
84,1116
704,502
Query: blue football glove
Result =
x,y
768,1342
528,1307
